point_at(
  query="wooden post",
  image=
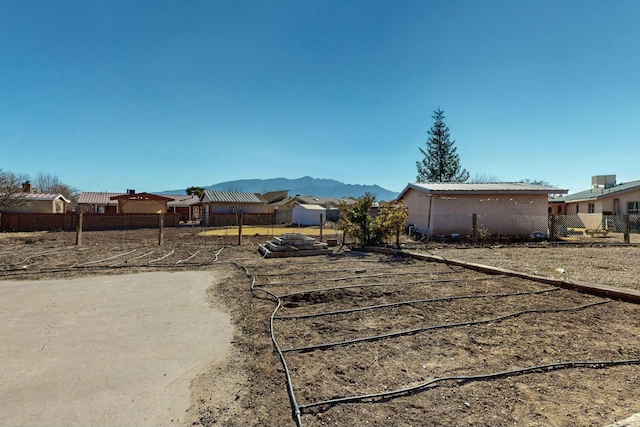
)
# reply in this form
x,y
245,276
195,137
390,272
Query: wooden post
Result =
x,y
474,226
79,230
429,220
627,229
161,228
321,227
552,228
240,220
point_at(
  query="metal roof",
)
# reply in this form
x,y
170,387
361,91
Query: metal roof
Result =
x,y
231,197
37,196
98,198
45,196
275,196
183,200
310,207
102,198
483,188
596,193
312,200
141,196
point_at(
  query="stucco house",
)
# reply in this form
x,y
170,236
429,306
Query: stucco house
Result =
x,y
508,208
142,203
98,202
188,206
28,201
231,202
605,198
37,203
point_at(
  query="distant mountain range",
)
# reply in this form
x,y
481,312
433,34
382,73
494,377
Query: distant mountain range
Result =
x,y
305,186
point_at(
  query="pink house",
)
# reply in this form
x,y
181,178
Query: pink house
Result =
x,y
508,208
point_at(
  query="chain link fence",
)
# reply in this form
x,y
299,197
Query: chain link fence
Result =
x,y
154,228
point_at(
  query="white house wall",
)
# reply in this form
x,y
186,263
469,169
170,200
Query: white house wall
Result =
x,y
496,213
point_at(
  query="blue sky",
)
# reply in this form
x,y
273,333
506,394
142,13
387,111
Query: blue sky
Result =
x,y
158,95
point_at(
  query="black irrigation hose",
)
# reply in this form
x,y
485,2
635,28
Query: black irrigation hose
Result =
x,y
418,301
355,269
331,258
467,378
366,285
435,327
292,397
357,276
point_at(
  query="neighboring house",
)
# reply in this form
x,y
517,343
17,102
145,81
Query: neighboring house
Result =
x,y
500,208
605,197
38,203
303,214
284,207
98,202
275,196
188,206
231,202
142,203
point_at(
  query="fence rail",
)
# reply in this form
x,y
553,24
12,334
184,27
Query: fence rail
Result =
x,y
470,227
90,222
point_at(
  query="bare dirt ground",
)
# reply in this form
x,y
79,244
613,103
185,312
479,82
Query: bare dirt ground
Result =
x,y
387,340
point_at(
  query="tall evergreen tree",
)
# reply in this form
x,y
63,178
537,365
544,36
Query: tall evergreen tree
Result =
x,y
440,163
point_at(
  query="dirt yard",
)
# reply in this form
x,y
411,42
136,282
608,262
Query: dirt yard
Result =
x,y
371,339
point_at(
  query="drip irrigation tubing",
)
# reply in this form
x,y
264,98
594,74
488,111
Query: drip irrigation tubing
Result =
x,y
36,255
88,267
215,258
418,301
366,285
357,276
467,378
161,258
326,346
294,404
333,259
104,259
180,261
356,269
131,259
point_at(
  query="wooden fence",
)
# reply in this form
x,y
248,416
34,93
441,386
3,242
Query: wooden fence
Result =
x,y
112,221
90,222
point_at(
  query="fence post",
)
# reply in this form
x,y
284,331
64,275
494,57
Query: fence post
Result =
x,y
79,229
240,220
552,228
627,229
161,229
321,227
474,226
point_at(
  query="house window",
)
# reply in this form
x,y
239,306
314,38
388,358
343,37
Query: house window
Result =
x,y
633,208
591,208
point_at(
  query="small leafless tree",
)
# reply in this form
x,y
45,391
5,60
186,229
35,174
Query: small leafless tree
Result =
x,y
48,183
11,194
483,178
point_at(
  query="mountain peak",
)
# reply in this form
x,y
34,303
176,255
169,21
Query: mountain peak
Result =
x,y
305,186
